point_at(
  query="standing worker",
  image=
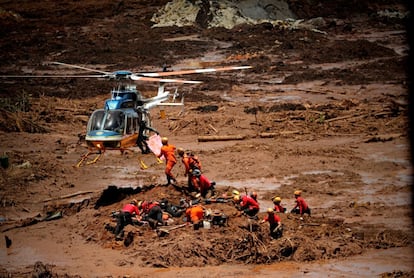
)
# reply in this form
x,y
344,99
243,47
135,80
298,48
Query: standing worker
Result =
x,y
275,224
301,206
125,217
168,151
191,163
278,207
142,138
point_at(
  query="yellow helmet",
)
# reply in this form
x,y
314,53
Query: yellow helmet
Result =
x,y
235,192
236,198
270,210
164,140
180,151
277,200
139,204
297,193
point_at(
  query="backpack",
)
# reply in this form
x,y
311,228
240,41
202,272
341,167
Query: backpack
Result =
x,y
194,162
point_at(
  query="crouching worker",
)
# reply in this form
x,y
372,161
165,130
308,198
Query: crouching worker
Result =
x,y
125,218
195,215
154,215
301,206
275,224
278,207
247,204
203,184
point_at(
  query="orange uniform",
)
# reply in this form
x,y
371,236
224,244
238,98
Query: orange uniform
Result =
x,y
168,151
191,163
194,214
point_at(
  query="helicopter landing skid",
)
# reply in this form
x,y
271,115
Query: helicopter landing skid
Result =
x,y
86,156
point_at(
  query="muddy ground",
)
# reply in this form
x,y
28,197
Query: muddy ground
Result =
x,y
323,110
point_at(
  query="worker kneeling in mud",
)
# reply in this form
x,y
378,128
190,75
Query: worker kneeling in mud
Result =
x,y
125,218
203,184
247,204
154,216
301,207
275,224
277,206
195,215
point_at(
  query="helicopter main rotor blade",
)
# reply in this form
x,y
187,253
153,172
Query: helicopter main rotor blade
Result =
x,y
162,80
169,73
80,67
52,76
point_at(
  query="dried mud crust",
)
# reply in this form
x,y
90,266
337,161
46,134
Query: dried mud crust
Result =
x,y
349,102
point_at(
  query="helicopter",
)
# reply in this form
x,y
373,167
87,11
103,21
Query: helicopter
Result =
x,y
126,115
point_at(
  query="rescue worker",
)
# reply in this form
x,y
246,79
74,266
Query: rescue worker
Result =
x,y
277,206
168,151
275,224
125,218
154,215
203,184
144,207
191,163
195,215
254,195
142,139
247,204
301,206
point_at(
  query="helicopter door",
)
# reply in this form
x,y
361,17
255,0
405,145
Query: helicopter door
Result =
x,y
132,124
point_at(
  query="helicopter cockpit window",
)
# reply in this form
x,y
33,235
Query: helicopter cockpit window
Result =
x,y
115,121
97,119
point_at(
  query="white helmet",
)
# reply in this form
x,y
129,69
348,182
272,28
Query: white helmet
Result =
x,y
196,172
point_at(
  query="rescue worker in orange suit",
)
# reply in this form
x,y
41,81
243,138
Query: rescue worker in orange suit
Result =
x,y
247,204
203,184
275,224
195,215
168,151
191,163
277,206
125,218
301,206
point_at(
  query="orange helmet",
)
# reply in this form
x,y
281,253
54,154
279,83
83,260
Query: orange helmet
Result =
x,y
297,193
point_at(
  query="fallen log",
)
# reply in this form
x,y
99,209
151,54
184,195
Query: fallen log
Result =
x,y
69,195
274,134
342,118
221,138
383,137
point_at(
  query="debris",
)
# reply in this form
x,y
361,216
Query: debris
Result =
x,y
220,138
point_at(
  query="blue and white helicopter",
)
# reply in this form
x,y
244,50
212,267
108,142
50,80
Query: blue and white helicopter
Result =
x,y
117,125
